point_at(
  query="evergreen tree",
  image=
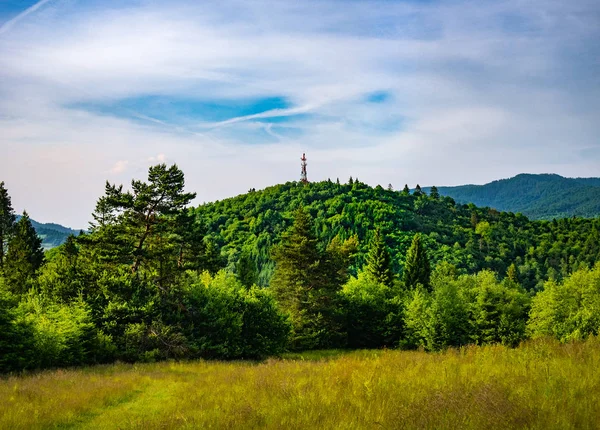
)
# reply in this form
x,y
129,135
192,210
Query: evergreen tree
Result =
x,y
379,261
417,269
7,222
145,219
406,190
418,191
303,286
24,257
297,259
434,193
246,270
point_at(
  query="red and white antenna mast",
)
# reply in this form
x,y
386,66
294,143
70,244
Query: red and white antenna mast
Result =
x,y
303,177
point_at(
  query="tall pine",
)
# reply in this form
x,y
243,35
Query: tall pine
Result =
x,y
304,287
379,261
417,269
24,257
7,222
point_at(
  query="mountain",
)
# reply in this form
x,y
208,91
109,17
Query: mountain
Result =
x,y
471,238
545,196
52,234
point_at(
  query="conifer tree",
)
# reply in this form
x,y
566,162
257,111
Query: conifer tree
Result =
x,y
418,191
24,257
434,193
297,260
406,190
304,287
417,269
7,222
379,261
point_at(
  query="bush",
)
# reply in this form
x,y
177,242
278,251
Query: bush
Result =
x,y
570,310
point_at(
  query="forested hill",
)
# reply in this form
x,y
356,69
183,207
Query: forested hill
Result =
x,y
470,237
52,235
544,196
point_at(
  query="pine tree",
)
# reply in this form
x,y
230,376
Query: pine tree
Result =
x,y
7,222
297,260
379,261
417,269
304,287
434,193
406,190
24,257
418,191
142,222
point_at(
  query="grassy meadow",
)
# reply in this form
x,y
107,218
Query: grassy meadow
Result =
x,y
540,385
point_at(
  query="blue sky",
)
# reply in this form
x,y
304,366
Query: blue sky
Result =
x,y
428,92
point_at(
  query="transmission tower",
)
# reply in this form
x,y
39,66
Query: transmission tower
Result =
x,y
303,177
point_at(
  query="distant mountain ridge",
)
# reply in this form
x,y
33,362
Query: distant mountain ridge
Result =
x,y
52,234
538,196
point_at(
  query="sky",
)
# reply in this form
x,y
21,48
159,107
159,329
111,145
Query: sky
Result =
x,y
401,92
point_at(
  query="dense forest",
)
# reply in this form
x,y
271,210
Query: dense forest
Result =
x,y
542,196
292,267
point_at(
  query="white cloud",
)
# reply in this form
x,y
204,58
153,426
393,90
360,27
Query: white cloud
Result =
x,y
119,167
478,91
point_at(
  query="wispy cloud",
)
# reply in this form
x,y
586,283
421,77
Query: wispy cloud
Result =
x,y
402,92
10,23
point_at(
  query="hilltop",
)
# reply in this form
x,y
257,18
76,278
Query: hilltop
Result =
x,y
470,237
52,234
544,196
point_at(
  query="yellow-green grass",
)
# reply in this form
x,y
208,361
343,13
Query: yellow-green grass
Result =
x,y
541,384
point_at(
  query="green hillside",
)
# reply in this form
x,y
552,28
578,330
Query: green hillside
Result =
x,y
470,237
544,196
52,235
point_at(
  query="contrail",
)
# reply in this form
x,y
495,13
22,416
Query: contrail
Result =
x,y
10,23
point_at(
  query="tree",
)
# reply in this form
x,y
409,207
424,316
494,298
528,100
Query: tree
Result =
x,y
434,193
379,261
406,190
246,270
417,269
7,222
306,283
418,191
24,257
149,211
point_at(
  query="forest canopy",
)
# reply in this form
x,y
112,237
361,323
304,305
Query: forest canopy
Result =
x,y
292,267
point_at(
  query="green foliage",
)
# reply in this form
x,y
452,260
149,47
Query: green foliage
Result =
x,y
378,261
538,249
306,282
537,196
148,281
417,269
16,345
64,335
465,309
7,222
226,320
569,310
374,312
24,257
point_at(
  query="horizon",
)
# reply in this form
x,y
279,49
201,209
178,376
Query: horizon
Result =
x,y
396,188
441,92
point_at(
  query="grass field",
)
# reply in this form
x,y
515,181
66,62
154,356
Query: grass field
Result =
x,y
541,385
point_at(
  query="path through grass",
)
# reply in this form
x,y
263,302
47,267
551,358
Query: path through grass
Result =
x,y
540,385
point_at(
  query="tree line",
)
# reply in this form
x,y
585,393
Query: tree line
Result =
x,y
292,267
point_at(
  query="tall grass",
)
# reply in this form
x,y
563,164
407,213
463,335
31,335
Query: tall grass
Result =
x,y
542,384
